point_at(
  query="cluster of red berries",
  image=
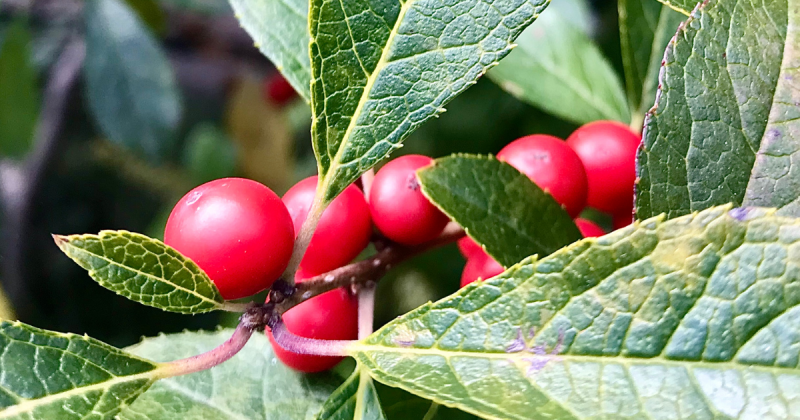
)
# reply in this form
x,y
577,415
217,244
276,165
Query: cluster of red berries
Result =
x,y
242,235
595,167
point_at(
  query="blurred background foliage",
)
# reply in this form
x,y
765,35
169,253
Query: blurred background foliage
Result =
x,y
171,94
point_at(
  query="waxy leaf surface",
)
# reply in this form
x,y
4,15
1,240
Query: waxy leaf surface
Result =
x,y
355,399
692,318
380,69
47,375
144,270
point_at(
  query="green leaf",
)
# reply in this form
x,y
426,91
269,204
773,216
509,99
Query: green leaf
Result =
x,y
724,123
646,28
696,317
498,206
280,31
381,69
682,6
130,86
144,270
210,154
355,399
251,385
557,67
19,94
48,375
208,7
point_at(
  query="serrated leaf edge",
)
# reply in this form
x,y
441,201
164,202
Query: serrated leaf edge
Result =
x,y
65,244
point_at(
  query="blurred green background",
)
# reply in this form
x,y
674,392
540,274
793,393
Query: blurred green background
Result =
x,y
225,125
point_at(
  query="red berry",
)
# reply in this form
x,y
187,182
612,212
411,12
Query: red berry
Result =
x,y
343,230
480,266
468,247
608,152
237,230
329,316
622,219
397,205
552,165
589,229
278,90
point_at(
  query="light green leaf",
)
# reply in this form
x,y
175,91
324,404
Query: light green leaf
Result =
x,y
210,154
724,123
381,69
144,270
498,206
696,317
19,94
645,29
48,375
355,399
557,67
251,385
130,86
280,30
682,6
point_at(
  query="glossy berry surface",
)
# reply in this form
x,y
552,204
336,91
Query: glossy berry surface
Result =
x,y
553,166
329,316
469,247
237,230
480,266
608,152
398,208
343,231
278,90
588,228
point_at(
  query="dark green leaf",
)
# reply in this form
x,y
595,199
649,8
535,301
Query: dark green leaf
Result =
x,y
380,69
645,29
499,207
557,67
280,30
696,317
144,270
210,154
355,399
682,6
252,385
130,85
47,375
209,7
726,85
19,94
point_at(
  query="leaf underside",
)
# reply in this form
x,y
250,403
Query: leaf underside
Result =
x,y
381,69
47,375
725,126
356,398
554,58
499,207
252,385
696,317
280,30
144,270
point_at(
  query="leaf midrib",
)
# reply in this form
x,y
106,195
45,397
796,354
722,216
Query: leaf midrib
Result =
x,y
366,349
382,62
148,275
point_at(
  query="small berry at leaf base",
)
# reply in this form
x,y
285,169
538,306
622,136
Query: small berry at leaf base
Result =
x,y
343,231
468,247
589,229
398,208
480,266
237,230
620,220
608,152
330,316
278,90
551,165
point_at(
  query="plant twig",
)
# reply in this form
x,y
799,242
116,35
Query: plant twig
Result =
x,y
19,183
211,358
302,345
366,310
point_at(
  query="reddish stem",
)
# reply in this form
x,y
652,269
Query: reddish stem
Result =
x,y
211,358
303,345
